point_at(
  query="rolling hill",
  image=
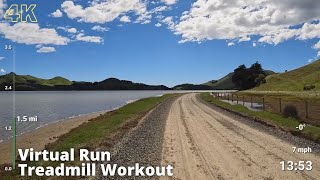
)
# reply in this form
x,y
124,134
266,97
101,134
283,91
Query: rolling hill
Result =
x,y
295,80
28,82
31,83
223,83
191,87
226,83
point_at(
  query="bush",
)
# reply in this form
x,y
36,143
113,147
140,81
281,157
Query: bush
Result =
x,y
308,87
290,111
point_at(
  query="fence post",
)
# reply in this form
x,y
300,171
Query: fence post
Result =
x,y
307,109
263,106
251,102
243,100
280,105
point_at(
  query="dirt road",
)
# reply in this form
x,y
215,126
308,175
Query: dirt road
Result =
x,y
203,143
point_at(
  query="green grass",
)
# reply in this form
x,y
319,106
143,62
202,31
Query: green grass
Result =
x,y
88,135
226,81
91,135
286,124
311,96
223,83
293,80
27,79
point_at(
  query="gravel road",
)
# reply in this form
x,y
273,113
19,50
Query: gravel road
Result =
x,y
203,142
143,144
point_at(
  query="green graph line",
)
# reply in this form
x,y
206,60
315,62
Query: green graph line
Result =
x,y
14,143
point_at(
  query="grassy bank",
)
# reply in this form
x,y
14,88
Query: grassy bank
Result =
x,y
102,131
286,124
287,95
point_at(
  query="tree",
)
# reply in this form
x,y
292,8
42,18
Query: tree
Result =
x,y
247,78
261,79
239,76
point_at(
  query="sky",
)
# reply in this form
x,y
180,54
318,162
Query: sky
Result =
x,y
165,42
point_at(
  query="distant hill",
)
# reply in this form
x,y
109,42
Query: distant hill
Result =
x,y
295,80
226,82
30,83
191,87
27,82
223,83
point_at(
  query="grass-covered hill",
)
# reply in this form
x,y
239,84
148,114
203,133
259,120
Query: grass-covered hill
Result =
x,y
30,83
226,83
223,83
303,78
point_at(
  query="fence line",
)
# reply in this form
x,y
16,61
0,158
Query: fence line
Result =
x,y
306,111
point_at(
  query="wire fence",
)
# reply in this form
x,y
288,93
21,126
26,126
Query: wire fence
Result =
x,y
305,111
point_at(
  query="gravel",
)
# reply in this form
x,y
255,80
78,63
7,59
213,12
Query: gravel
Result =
x,y
285,136
142,144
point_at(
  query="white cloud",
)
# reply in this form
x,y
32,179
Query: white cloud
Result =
x,y
2,7
2,70
2,58
231,44
245,38
72,30
158,25
311,60
169,21
45,49
159,9
254,44
93,39
99,28
169,2
317,46
68,29
56,14
105,11
125,19
31,33
273,20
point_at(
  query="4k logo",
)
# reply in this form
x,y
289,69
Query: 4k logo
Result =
x,y
22,13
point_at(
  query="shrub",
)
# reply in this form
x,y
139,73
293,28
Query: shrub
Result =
x,y
308,87
290,111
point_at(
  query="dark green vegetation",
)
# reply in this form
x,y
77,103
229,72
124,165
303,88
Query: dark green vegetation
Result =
x,y
247,78
30,83
94,133
305,78
191,87
277,120
26,80
102,131
233,81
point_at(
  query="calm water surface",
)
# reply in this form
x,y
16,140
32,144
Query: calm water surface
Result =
x,y
52,106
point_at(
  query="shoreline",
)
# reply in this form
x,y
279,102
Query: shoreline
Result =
x,y
49,133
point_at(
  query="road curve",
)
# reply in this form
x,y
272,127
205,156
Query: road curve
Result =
x,y
203,143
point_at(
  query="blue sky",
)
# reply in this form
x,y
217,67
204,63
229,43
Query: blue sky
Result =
x,y
159,42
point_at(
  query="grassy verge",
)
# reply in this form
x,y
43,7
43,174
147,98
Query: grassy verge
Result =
x,y
286,124
313,96
100,131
